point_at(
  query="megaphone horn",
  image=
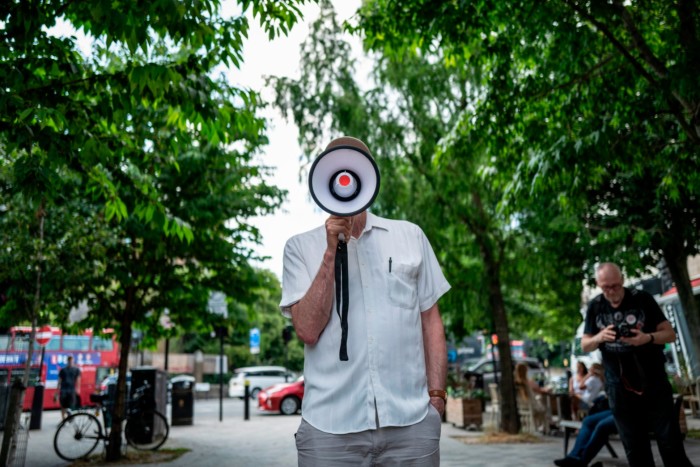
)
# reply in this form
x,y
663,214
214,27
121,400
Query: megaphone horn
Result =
x,y
344,179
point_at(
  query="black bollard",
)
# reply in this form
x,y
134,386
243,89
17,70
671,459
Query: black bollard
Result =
x,y
246,401
37,407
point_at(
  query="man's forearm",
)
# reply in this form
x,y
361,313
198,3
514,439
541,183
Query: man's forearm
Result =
x,y
589,343
664,334
435,348
310,315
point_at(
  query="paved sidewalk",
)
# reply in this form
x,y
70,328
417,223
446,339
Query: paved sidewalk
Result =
x,y
268,440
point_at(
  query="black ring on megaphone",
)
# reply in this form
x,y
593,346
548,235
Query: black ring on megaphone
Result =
x,y
331,183
376,188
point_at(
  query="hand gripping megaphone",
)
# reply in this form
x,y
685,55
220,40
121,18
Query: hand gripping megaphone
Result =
x,y
344,179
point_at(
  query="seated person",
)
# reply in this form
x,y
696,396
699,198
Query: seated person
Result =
x,y
591,387
575,388
522,382
594,432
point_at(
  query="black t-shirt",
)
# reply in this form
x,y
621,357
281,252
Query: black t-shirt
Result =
x,y
641,366
68,376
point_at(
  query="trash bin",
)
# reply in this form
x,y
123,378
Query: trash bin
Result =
x,y
182,400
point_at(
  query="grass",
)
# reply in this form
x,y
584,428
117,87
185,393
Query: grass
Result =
x,y
135,457
693,434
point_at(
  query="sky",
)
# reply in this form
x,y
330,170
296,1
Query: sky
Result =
x,y
281,58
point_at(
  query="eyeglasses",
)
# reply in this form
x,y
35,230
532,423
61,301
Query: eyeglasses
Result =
x,y
611,288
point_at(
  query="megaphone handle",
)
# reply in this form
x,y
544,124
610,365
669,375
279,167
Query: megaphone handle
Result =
x,y
342,295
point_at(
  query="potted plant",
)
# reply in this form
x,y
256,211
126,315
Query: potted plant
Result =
x,y
465,406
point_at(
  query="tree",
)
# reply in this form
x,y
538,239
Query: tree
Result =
x,y
437,169
587,95
126,124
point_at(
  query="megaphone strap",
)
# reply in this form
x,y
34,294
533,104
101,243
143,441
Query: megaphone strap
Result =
x,y
341,296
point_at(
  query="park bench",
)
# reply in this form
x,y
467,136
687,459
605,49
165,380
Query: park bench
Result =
x,y
571,426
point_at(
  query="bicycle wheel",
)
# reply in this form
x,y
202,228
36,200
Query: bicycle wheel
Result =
x,y
77,436
147,431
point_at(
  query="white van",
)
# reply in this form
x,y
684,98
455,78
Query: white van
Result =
x,y
259,377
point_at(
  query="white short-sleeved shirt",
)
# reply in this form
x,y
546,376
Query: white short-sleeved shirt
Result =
x,y
393,275
594,388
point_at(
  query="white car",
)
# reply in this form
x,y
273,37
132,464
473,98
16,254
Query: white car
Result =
x,y
258,377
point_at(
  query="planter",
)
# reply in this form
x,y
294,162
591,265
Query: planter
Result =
x,y
464,412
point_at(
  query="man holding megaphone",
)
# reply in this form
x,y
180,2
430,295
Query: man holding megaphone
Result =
x,y
362,293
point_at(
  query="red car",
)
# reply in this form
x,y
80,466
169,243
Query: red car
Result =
x,y
282,397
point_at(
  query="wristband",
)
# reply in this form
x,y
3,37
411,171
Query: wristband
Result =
x,y
652,337
438,393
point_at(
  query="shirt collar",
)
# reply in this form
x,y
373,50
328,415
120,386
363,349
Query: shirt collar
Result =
x,y
375,221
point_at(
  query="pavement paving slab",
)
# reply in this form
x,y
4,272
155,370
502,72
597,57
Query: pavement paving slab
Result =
x,y
268,440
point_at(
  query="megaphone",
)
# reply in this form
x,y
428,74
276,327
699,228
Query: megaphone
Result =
x,y
344,179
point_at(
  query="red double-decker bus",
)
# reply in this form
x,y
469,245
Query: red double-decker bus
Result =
x,y
96,354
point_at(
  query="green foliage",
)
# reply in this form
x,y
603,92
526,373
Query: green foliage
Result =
x,y
263,312
438,168
591,110
138,158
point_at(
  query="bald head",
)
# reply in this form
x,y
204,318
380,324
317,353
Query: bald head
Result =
x,y
610,270
608,277
348,141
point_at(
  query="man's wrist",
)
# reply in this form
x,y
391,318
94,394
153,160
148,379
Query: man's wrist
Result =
x,y
651,335
441,393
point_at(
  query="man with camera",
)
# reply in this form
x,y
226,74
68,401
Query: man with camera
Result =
x,y
630,330
375,373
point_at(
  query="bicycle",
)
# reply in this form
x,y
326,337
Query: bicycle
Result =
x,y
79,434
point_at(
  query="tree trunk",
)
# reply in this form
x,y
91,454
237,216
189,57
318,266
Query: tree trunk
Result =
x,y
33,316
677,263
115,435
510,421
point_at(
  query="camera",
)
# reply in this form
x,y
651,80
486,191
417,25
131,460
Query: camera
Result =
x,y
623,330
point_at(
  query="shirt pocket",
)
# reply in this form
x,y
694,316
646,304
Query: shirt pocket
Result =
x,y
402,285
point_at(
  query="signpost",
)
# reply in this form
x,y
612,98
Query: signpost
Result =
x,y
217,305
255,341
42,337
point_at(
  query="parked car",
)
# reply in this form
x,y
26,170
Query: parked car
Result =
x,y
259,377
112,379
485,371
284,398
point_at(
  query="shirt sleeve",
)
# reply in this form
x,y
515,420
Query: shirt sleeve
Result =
x,y
589,326
295,278
431,281
654,315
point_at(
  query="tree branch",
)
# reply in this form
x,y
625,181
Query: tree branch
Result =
x,y
578,79
613,40
649,58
